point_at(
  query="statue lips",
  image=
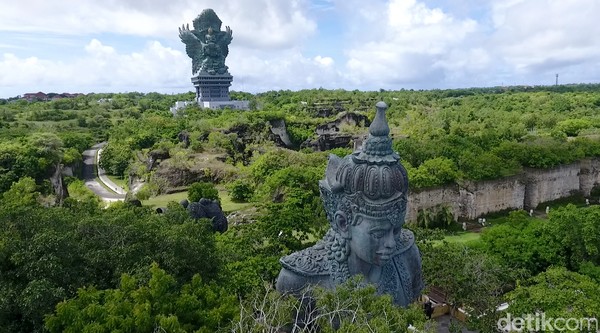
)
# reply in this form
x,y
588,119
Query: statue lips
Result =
x,y
382,257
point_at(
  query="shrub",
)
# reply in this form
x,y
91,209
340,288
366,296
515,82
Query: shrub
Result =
x,y
148,190
241,190
201,190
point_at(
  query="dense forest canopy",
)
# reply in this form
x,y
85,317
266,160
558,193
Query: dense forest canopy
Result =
x,y
74,265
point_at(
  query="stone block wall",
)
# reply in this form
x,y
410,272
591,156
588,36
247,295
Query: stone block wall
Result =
x,y
550,184
432,197
525,191
589,176
484,197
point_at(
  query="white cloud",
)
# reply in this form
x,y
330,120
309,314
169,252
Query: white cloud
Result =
x,y
258,23
413,44
324,61
102,68
268,23
127,45
159,68
289,69
267,34
547,35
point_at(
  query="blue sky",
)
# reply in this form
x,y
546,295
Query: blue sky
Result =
x,y
129,45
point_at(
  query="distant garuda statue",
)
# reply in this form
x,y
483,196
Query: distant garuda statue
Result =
x,y
207,45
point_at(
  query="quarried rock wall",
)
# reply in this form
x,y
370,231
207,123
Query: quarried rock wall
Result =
x,y
484,197
550,184
470,200
433,197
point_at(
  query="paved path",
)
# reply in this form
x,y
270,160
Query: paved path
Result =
x,y
103,178
89,177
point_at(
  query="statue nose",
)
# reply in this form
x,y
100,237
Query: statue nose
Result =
x,y
390,241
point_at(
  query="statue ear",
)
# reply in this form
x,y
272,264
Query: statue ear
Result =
x,y
342,223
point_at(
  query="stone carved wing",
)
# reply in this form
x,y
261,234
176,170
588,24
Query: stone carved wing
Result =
x,y
224,39
193,46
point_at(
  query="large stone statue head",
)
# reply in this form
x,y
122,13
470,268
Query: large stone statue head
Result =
x,y
365,196
207,19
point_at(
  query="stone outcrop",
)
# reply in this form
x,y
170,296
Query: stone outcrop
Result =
x,y
330,134
550,184
184,136
156,155
280,134
350,119
210,209
58,184
179,176
329,141
431,198
173,175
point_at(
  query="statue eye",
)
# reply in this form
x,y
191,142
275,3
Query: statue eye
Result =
x,y
378,234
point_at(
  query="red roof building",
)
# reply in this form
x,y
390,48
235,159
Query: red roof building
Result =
x,y
39,96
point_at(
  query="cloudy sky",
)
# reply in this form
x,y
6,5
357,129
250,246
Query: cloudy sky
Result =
x,y
133,45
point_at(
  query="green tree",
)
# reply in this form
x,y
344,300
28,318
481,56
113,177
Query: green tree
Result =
x,y
21,194
522,242
115,158
293,211
575,234
572,127
46,254
591,270
469,278
248,259
78,191
433,172
241,190
160,304
558,293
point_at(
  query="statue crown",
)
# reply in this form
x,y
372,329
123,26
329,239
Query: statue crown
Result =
x,y
371,180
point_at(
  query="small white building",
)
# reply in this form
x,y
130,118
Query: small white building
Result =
x,y
180,105
238,105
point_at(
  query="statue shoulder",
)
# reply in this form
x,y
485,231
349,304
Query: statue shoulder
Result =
x,y
303,268
405,241
311,261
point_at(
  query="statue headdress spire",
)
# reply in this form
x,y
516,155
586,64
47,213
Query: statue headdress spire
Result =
x,y
370,180
377,148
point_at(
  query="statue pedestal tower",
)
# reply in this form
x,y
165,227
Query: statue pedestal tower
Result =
x,y
212,88
212,91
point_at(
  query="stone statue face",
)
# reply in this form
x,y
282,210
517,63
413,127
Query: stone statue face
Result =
x,y
373,239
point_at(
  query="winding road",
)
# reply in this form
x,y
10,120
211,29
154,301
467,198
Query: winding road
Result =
x,y
89,177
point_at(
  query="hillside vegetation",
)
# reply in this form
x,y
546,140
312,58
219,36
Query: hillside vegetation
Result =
x,y
77,266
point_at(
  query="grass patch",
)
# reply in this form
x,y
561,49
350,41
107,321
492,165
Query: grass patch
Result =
x,y
163,200
230,206
226,203
503,219
463,237
466,238
120,181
